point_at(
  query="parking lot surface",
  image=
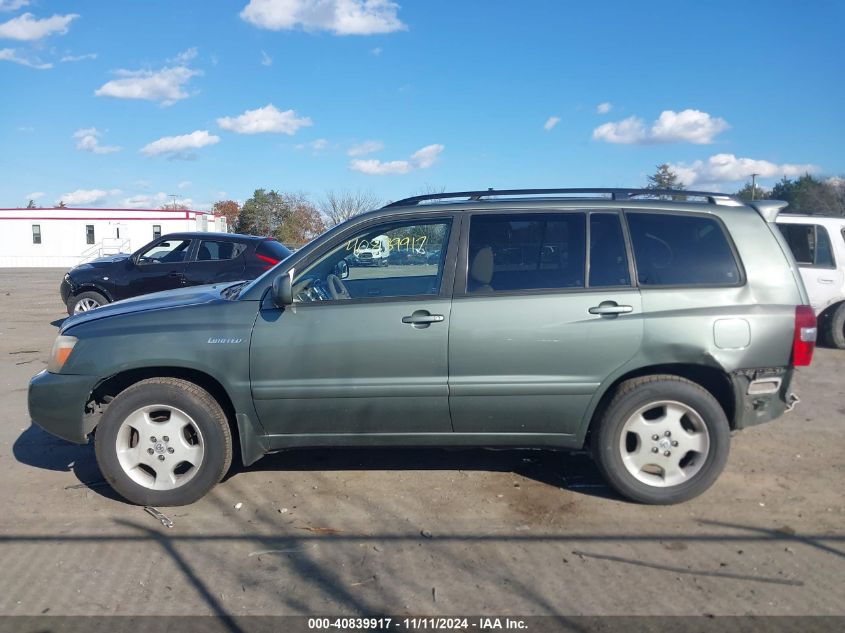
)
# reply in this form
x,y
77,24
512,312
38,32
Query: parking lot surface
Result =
x,y
417,531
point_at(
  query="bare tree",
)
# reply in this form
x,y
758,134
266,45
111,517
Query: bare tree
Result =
x,y
339,206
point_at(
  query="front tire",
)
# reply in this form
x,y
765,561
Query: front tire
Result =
x,y
85,301
661,440
163,442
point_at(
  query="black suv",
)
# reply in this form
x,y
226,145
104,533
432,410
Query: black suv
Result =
x,y
172,261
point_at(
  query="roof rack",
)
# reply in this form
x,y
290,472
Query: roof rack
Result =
x,y
613,194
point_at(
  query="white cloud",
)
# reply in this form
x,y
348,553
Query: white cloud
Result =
x,y
317,145
427,156
83,196
153,201
184,57
35,195
266,119
266,60
551,122
164,86
184,184
88,140
421,159
341,17
145,201
27,27
378,50
723,168
604,108
12,5
179,146
367,147
11,55
630,130
687,126
78,58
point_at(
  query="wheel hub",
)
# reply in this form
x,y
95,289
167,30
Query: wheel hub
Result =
x,y
160,447
664,443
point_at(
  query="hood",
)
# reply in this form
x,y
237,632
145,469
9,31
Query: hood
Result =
x,y
181,297
102,262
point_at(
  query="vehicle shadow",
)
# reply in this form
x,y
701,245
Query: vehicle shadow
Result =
x,y
573,471
570,471
37,448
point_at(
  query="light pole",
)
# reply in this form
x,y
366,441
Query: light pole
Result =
x,y
753,185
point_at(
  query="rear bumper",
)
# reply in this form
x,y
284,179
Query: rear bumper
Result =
x,y
57,404
753,408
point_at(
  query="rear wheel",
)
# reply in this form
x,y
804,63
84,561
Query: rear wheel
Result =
x,y
163,442
836,327
85,301
661,440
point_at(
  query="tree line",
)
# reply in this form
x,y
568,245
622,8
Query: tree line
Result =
x,y
805,194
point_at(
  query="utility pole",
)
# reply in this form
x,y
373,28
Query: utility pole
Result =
x,y
175,196
754,185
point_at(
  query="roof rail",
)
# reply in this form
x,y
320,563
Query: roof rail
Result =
x,y
612,193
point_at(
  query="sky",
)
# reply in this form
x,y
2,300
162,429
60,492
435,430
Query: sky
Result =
x,y
126,103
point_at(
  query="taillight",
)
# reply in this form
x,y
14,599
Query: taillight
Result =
x,y
804,339
272,262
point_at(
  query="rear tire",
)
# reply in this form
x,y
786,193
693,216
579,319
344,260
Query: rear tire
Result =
x,y
163,442
836,327
85,301
691,449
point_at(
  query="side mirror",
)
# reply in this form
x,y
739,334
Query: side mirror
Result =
x,y
342,269
282,291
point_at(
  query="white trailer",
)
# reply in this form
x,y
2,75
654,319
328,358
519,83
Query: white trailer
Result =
x,y
66,237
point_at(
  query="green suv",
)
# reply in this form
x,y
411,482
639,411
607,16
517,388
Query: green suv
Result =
x,y
641,324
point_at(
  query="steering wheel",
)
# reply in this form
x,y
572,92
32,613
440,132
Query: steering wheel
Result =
x,y
336,288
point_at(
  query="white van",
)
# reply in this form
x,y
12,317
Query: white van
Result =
x,y
818,245
374,252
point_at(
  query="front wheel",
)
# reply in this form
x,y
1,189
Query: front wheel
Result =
x,y
661,440
163,442
85,301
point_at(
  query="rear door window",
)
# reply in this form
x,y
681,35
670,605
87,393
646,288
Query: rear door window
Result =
x,y
810,244
510,253
210,251
681,250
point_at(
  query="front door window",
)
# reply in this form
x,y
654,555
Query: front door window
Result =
x,y
394,260
167,252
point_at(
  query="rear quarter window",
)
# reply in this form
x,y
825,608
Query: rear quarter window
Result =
x,y
681,250
273,249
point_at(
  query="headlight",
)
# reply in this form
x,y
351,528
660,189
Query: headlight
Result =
x,y
62,347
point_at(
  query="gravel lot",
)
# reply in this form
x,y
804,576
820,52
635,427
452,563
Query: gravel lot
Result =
x,y
418,531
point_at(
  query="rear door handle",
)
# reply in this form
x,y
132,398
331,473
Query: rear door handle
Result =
x,y
423,318
610,308
825,280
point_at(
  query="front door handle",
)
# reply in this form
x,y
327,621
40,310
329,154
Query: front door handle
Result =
x,y
825,280
610,308
423,318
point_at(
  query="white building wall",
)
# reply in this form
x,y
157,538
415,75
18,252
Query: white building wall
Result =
x,y
64,237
